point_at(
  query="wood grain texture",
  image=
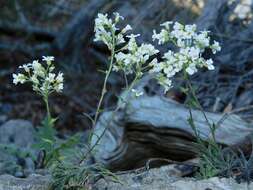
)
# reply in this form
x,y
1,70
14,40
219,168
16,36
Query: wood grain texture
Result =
x,y
156,127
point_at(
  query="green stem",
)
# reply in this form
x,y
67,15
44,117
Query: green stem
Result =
x,y
191,122
112,116
103,92
194,96
47,107
108,72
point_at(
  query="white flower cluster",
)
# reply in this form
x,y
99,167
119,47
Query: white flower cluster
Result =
x,y
105,30
188,58
131,57
136,56
43,80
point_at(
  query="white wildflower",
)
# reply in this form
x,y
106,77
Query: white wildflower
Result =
x,y
137,93
120,57
59,78
102,20
156,67
215,47
50,78
132,45
127,28
209,64
105,30
133,36
194,53
48,59
202,39
58,87
166,83
177,26
162,37
167,24
45,87
120,39
34,79
118,17
148,49
115,68
191,69
19,78
123,62
191,29
26,67
180,43
38,68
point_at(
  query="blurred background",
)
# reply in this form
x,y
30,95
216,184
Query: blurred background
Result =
x,y
64,29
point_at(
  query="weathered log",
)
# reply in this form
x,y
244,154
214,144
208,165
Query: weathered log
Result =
x,y
156,127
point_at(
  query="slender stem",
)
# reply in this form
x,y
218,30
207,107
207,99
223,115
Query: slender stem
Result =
x,y
132,84
103,92
102,134
108,72
111,119
47,106
126,81
191,122
193,93
46,95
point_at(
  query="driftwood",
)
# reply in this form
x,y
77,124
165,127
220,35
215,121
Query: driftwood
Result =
x,y
156,127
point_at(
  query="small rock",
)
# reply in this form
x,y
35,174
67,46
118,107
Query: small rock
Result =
x,y
18,132
29,166
19,174
16,138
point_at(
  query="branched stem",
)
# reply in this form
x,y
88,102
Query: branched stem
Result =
x,y
103,92
111,118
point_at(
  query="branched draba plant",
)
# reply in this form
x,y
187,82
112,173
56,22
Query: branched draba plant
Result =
x,y
126,56
131,58
44,81
191,45
136,60
42,77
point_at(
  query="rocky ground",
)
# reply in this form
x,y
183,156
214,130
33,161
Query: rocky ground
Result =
x,y
153,179
17,162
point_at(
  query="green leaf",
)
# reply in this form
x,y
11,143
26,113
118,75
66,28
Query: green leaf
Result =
x,y
184,90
